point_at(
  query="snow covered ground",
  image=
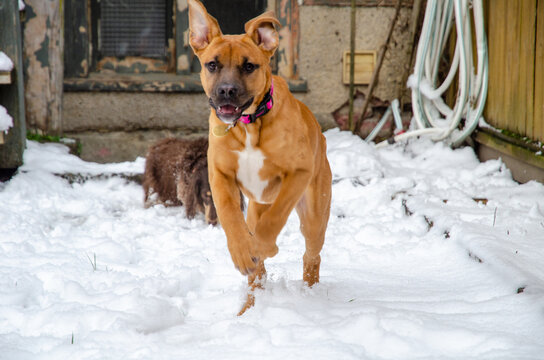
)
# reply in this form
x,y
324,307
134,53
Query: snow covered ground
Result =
x,y
429,254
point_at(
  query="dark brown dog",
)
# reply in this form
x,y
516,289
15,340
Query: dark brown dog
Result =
x,y
176,173
264,142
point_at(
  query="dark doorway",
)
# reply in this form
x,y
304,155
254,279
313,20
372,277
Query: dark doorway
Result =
x,y
233,14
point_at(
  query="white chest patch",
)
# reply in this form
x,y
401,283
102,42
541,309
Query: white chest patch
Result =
x,y
250,162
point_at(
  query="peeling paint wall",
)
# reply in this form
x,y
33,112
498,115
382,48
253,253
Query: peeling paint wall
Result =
x,y
43,65
287,54
324,38
136,106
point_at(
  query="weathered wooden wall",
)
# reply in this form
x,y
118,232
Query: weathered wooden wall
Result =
x,y
11,95
43,65
515,101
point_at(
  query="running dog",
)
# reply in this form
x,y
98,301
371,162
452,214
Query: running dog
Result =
x,y
263,142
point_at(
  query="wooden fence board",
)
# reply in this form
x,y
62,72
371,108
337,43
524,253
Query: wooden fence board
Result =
x,y
511,28
496,34
525,93
538,125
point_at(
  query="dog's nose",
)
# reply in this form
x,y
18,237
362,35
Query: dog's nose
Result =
x,y
227,91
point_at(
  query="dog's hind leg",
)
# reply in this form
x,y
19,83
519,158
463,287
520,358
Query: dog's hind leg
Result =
x,y
313,210
256,279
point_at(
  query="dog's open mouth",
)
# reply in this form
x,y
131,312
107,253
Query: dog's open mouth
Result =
x,y
230,112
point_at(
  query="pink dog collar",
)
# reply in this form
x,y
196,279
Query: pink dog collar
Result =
x,y
262,109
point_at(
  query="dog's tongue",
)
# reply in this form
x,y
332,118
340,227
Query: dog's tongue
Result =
x,y
228,109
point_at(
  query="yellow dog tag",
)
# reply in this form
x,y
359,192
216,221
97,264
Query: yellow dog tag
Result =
x,y
221,130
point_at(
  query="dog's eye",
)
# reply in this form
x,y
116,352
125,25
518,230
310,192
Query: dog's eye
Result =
x,y
249,67
211,66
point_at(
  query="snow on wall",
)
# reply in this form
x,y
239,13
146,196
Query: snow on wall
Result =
x,y
5,62
5,120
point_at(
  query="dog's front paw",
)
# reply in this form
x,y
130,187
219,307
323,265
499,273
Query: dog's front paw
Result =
x,y
244,255
266,249
265,244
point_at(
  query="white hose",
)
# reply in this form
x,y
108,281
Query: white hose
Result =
x,y
379,125
432,116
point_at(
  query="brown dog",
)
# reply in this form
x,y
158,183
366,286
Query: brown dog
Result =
x,y
176,172
262,141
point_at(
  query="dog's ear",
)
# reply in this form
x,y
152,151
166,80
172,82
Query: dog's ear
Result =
x,y
203,27
261,29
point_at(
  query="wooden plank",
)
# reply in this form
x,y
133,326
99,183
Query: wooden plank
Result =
x,y
490,103
525,93
525,164
538,124
11,95
514,157
494,110
1,137
511,30
5,77
512,65
365,61
500,74
76,38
